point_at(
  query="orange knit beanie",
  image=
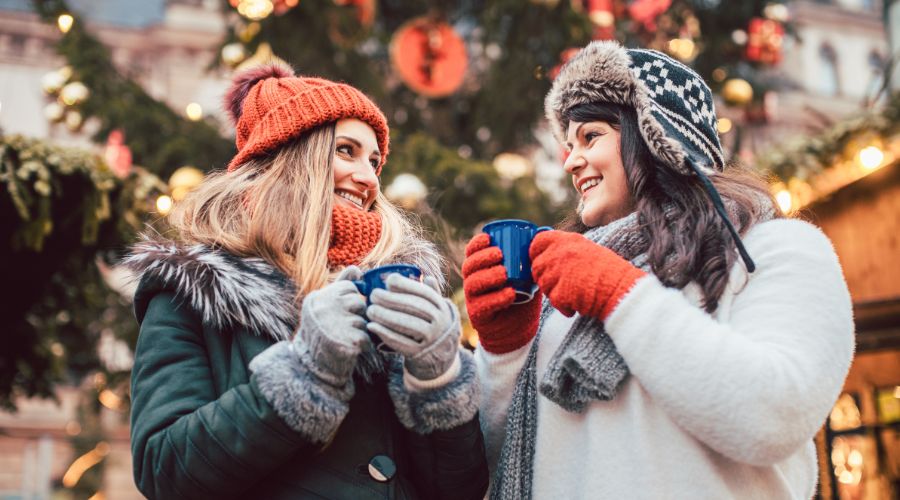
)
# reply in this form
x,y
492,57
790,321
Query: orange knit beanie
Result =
x,y
354,234
270,106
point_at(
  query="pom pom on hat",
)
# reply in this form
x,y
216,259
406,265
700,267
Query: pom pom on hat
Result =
x,y
244,80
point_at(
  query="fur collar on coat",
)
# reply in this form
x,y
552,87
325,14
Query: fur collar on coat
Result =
x,y
229,291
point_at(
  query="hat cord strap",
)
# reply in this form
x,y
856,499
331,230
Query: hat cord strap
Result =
x,y
720,208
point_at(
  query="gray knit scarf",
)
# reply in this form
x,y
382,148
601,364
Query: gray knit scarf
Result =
x,y
586,367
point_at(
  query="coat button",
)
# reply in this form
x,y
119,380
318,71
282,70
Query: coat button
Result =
x,y
382,468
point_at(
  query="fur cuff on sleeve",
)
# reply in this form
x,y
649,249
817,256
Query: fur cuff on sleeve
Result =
x,y
443,408
306,404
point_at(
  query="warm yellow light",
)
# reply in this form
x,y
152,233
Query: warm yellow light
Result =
x,y
682,48
846,477
163,204
871,157
194,111
110,400
97,496
855,459
83,463
783,198
65,22
897,392
724,125
183,181
602,18
512,166
255,9
73,428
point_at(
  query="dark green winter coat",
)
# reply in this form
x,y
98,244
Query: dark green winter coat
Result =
x,y
204,425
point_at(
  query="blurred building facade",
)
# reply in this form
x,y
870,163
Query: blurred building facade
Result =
x,y
832,67
835,68
166,46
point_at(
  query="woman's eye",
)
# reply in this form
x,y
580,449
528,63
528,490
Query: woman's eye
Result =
x,y
590,136
345,149
374,163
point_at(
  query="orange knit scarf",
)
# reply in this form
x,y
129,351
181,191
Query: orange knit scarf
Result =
x,y
354,234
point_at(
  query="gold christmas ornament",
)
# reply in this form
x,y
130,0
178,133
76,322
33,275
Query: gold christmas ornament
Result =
x,y
183,180
54,112
74,120
737,92
74,93
52,82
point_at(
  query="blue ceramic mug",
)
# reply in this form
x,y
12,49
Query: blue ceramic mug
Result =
x,y
514,236
374,278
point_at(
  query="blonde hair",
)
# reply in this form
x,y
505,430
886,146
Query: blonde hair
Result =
x,y
279,208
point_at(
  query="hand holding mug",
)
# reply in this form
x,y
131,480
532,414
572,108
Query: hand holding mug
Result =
x,y
502,325
333,329
415,320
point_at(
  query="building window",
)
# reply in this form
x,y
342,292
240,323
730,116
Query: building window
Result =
x,y
876,76
828,83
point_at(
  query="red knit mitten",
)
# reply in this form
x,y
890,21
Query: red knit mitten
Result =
x,y
502,326
578,275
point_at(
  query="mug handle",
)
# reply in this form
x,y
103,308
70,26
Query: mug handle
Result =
x,y
542,229
361,286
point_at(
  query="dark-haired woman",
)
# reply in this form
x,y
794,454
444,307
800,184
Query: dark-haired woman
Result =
x,y
690,340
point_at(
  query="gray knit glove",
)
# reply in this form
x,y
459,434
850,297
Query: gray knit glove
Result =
x,y
413,319
333,329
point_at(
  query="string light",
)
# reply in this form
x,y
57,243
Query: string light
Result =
x,y
110,400
724,125
871,157
783,198
255,9
83,463
65,22
682,48
163,204
193,111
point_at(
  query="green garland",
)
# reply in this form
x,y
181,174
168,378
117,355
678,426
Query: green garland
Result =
x,y
805,157
62,210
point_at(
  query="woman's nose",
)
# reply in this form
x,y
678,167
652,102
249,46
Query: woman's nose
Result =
x,y
365,176
574,162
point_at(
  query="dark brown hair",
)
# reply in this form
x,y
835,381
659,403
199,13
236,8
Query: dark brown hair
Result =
x,y
691,242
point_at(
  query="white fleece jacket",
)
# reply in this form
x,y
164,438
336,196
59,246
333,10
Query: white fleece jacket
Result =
x,y
717,406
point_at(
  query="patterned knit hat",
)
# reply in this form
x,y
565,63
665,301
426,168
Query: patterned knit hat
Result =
x,y
674,106
270,106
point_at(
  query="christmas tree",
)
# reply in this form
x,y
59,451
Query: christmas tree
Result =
x,y
462,84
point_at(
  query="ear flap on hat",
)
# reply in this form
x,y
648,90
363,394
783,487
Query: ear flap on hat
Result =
x,y
243,81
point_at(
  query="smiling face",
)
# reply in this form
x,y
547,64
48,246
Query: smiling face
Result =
x,y
356,156
595,164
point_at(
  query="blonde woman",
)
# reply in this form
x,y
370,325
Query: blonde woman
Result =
x,y
256,372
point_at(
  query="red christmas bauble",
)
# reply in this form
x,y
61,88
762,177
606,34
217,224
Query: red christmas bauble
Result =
x,y
429,57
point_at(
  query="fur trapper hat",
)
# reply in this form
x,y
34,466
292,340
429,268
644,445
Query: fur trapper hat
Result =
x,y
674,105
